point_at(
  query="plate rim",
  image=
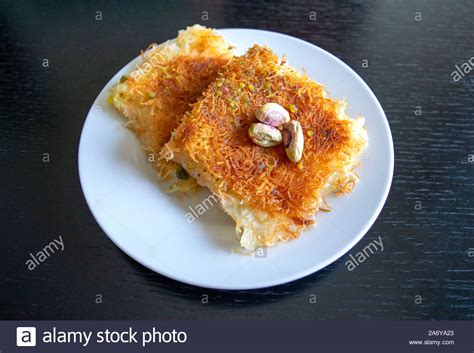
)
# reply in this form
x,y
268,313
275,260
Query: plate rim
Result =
x,y
286,278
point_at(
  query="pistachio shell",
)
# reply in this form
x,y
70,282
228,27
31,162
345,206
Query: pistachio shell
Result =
x,y
264,135
293,140
272,114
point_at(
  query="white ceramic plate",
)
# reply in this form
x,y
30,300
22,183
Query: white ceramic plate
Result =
x,y
152,227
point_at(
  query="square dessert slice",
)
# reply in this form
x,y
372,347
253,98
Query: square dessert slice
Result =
x,y
155,96
270,197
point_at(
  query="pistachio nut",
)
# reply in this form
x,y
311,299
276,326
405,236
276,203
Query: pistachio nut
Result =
x,y
273,114
264,135
293,140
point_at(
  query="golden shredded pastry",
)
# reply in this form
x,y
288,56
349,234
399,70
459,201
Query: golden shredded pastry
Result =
x,y
270,198
155,96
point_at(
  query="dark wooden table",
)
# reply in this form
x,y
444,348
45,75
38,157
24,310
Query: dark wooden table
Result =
x,y
426,269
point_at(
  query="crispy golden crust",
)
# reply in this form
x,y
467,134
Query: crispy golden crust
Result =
x,y
166,97
155,96
213,138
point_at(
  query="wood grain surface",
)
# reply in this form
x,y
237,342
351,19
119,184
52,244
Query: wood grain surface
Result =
x,y
427,225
